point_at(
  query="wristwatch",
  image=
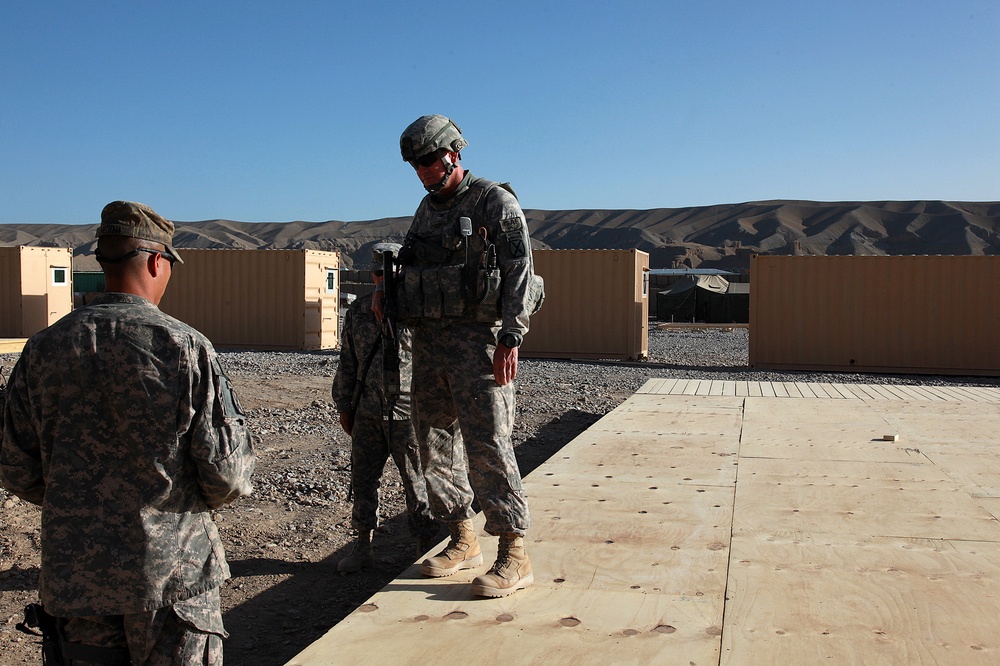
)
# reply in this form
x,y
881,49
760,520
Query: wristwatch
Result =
x,y
512,340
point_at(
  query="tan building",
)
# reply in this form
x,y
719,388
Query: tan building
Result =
x,y
596,305
910,314
258,299
36,288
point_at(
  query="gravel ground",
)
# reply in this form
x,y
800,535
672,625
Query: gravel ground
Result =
x,y
284,542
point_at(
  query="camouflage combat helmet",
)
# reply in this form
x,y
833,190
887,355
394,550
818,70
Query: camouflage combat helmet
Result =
x,y
428,134
378,253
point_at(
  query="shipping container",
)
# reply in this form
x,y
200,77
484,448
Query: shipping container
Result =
x,y
901,314
258,299
36,288
596,305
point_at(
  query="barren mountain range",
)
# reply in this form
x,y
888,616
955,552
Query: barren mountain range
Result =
x,y
721,236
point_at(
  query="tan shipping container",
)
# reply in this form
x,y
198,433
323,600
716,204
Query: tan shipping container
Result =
x,y
36,288
596,305
911,314
258,299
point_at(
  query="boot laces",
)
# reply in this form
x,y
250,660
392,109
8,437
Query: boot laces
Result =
x,y
503,558
454,545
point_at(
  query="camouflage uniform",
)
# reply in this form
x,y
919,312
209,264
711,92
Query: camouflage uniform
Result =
x,y
382,425
122,425
458,306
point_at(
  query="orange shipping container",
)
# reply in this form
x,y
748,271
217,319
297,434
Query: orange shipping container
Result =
x,y
910,314
36,288
596,305
258,299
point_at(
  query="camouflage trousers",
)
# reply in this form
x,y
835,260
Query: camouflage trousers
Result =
x,y
373,440
453,382
189,633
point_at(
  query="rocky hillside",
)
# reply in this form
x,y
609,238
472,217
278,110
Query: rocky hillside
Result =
x,y
722,236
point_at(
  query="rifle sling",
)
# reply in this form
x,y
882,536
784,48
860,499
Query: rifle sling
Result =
x,y
364,373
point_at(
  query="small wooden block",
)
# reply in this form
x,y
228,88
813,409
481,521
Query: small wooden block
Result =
x,y
890,438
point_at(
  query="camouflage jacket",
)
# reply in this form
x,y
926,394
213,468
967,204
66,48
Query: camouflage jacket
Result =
x,y
121,424
362,337
504,297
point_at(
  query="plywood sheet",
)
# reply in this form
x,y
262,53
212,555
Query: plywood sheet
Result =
x,y
928,427
609,458
973,465
857,498
798,413
410,623
835,444
811,599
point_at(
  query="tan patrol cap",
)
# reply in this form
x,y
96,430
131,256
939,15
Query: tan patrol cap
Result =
x,y
136,220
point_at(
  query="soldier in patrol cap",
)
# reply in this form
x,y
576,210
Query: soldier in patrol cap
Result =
x,y
372,393
467,288
121,424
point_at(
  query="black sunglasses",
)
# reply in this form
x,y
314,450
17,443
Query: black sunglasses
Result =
x,y
162,253
426,160
133,253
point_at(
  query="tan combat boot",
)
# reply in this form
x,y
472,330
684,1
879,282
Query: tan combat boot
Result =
x,y
462,552
362,556
510,573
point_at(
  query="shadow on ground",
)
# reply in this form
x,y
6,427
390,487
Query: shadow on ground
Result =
x,y
551,437
315,596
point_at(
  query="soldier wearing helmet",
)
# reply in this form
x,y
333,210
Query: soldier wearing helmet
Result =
x,y
428,140
467,288
375,411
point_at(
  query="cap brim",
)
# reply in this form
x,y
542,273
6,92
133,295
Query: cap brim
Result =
x,y
173,253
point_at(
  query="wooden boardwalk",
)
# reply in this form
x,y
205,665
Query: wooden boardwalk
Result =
x,y
708,522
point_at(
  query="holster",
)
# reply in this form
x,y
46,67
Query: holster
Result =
x,y
57,651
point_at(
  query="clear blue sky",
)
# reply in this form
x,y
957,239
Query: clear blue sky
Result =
x,y
281,111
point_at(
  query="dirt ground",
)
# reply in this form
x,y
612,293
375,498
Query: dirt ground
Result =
x,y
284,542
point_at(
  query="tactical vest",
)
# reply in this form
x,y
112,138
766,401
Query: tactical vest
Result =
x,y
453,273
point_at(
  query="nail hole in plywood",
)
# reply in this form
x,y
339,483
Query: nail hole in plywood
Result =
x,y
456,615
368,608
569,622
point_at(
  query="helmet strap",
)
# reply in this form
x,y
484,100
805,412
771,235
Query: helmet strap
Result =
x,y
449,167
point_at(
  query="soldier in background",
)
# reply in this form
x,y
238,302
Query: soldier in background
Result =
x,y
467,288
121,424
375,411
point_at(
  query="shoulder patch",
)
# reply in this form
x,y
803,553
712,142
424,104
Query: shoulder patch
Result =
x,y
511,223
516,245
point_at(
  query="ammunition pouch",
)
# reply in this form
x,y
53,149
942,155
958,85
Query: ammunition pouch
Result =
x,y
455,274
436,292
457,278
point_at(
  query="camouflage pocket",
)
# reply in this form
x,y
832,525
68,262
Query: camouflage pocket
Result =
x,y
431,288
452,301
409,297
488,307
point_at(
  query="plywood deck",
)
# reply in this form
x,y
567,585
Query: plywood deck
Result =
x,y
744,523
12,345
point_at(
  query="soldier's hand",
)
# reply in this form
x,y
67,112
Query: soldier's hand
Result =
x,y
346,422
504,364
378,299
